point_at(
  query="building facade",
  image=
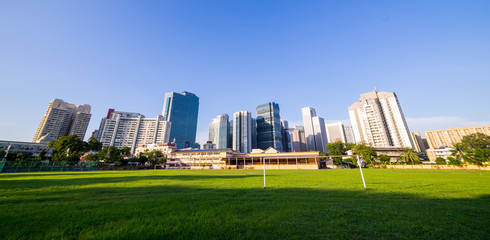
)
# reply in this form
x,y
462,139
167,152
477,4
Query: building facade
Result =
x,y
286,136
298,139
63,119
335,132
132,129
218,131
349,134
269,126
181,109
448,137
378,119
315,131
242,132
420,144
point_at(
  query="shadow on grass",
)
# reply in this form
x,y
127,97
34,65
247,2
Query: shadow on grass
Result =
x,y
237,213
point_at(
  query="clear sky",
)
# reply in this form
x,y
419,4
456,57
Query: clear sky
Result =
x,y
235,55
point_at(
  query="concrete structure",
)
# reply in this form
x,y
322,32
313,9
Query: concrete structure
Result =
x,y
315,131
443,152
132,129
218,131
242,132
63,119
448,137
418,142
393,152
209,145
28,148
349,134
378,119
165,148
269,126
335,132
229,159
298,139
181,109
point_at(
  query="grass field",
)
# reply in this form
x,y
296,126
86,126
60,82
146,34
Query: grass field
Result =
x,y
231,204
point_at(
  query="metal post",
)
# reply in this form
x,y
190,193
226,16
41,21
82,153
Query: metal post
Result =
x,y
263,161
362,175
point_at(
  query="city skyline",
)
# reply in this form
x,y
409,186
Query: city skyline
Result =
x,y
235,56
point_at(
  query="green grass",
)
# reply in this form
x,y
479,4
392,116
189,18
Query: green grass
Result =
x,y
231,204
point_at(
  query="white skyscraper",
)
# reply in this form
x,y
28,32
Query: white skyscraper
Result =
x,y
242,132
63,119
378,119
349,134
335,132
120,129
218,131
315,132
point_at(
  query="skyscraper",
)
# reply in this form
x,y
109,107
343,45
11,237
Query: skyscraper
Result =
x,y
286,136
128,129
335,132
181,109
315,132
349,134
269,126
378,119
242,132
298,139
218,131
62,119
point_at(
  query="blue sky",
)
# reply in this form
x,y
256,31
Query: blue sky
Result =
x,y
236,55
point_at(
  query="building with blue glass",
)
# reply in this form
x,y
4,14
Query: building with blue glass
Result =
x,y
181,109
269,126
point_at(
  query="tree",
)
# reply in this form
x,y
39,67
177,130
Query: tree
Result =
x,y
367,153
336,148
409,156
109,154
125,151
92,157
441,161
384,159
67,148
476,141
454,161
459,151
94,145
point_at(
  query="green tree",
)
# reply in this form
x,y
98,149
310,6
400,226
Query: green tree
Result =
x,y
94,145
337,148
367,153
92,157
384,159
409,156
109,154
441,161
67,148
476,141
454,161
125,151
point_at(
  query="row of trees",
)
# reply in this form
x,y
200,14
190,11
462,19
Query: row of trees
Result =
x,y
473,149
368,154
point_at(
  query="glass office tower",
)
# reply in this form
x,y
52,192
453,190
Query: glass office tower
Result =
x,y
181,110
269,126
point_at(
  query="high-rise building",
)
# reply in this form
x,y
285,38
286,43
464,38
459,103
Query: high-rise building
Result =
x,y
418,142
349,134
315,132
132,129
448,137
269,126
286,136
298,139
335,132
181,109
218,131
242,132
63,119
378,119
